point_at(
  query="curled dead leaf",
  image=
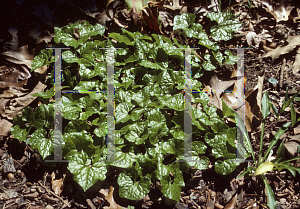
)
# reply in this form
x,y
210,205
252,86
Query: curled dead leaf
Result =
x,y
296,65
110,199
57,185
293,41
232,203
253,39
280,12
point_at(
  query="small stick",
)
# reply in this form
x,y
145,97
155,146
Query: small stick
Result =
x,y
49,191
281,72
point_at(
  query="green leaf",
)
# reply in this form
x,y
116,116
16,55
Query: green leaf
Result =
x,y
209,44
230,59
228,112
71,112
133,190
86,171
278,134
286,104
136,5
199,163
120,38
246,171
199,147
293,114
172,182
271,197
77,126
19,133
152,65
44,116
280,151
218,56
70,57
186,23
38,141
47,94
175,102
78,141
101,130
242,130
137,133
226,167
215,140
45,57
207,65
123,160
227,25
274,109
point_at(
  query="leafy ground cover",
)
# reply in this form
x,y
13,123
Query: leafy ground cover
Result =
x,y
150,64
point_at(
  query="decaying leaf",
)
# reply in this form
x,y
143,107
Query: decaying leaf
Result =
x,y
135,8
253,39
110,199
5,127
292,144
217,87
20,56
296,65
150,15
293,41
16,105
253,104
280,12
57,185
232,203
14,42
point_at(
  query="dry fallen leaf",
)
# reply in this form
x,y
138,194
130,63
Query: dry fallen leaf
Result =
x,y
232,203
252,111
280,12
5,127
16,105
293,41
217,87
57,185
253,39
20,56
296,65
110,198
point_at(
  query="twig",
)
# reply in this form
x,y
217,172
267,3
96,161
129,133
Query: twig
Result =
x,y
30,148
198,55
196,204
281,72
49,191
29,205
18,163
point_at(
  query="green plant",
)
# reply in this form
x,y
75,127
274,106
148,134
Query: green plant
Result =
x,y
149,107
285,104
249,5
264,162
